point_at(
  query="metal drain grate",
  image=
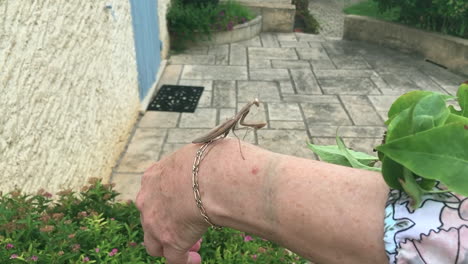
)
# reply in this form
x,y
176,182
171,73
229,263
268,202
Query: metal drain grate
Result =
x,y
176,98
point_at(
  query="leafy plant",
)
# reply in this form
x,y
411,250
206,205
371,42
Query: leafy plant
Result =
x,y
450,17
305,20
200,2
370,8
191,22
426,142
91,227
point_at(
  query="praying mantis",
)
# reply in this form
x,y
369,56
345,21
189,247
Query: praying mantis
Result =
x,y
223,129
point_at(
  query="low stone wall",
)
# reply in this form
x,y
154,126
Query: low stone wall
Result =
x,y
238,33
448,51
278,15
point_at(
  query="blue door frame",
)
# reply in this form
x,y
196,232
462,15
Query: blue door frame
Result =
x,y
147,43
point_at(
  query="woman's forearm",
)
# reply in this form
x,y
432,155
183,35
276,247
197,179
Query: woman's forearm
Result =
x,y
330,213
327,213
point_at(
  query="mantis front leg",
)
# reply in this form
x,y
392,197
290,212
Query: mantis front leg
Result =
x,y
242,122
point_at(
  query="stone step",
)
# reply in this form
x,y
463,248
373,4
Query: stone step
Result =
x,y
278,15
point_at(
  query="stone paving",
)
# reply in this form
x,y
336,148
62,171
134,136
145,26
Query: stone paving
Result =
x,y
309,85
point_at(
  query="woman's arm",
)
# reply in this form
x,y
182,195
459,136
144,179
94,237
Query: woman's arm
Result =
x,y
324,212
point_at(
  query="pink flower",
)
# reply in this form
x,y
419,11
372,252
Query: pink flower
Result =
x,y
85,259
113,252
76,247
248,238
254,256
13,256
9,246
230,25
34,258
132,244
97,250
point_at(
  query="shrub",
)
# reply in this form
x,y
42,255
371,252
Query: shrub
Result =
x,y
450,17
186,22
304,18
370,8
301,4
200,2
91,227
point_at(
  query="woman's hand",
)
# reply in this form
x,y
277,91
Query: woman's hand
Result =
x,y
171,221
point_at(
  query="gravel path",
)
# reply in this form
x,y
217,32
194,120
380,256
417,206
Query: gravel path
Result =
x,y
330,15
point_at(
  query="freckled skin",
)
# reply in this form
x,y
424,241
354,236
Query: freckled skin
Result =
x,y
325,213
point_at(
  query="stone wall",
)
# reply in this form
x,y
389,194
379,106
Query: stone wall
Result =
x,y
277,15
68,91
450,52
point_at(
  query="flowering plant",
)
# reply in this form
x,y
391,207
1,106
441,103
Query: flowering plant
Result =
x,y
426,143
192,22
90,227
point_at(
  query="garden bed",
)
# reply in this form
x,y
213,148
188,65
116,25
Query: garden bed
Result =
x,y
278,16
239,32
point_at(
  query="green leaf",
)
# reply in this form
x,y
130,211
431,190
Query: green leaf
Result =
x,y
392,172
352,160
332,154
428,112
400,126
453,110
406,101
427,184
409,100
412,188
453,118
425,113
462,95
439,154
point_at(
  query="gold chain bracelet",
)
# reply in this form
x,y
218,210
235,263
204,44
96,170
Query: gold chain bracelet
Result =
x,y
200,155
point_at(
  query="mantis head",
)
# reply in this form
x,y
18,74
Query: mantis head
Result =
x,y
256,102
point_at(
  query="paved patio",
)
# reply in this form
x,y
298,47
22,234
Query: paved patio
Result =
x,y
309,85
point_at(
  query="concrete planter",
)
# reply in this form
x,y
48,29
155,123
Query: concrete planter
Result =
x,y
278,15
448,51
240,32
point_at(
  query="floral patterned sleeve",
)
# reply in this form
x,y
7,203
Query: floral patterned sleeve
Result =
x,y
437,232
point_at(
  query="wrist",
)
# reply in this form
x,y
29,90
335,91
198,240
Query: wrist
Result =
x,y
235,192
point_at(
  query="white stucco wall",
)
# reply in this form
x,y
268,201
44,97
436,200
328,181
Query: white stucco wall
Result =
x,y
68,91
163,5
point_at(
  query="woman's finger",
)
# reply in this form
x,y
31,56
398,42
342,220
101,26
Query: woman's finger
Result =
x,y
175,256
197,246
152,246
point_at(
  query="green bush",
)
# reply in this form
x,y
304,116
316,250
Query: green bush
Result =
x,y
91,227
200,2
446,16
301,4
187,22
371,9
304,19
